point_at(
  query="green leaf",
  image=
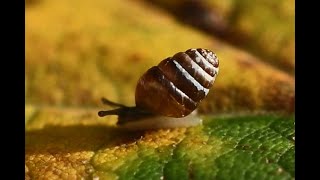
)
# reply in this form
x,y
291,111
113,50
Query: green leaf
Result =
x,y
224,147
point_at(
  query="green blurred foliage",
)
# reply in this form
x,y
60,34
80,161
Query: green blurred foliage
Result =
x,y
264,28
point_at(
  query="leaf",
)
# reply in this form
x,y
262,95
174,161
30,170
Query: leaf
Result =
x,y
75,144
266,30
74,60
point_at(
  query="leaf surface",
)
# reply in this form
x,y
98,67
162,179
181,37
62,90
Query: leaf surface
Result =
x,y
75,56
77,144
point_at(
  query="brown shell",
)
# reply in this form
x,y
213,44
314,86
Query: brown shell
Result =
x,y
178,84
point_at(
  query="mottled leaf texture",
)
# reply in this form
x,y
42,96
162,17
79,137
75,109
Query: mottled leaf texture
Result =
x,y
74,144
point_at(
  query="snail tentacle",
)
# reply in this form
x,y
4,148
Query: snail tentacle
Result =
x,y
111,103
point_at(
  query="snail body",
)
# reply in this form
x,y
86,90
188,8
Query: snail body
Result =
x,y
172,89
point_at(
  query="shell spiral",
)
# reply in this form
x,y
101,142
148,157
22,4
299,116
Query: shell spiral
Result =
x,y
178,84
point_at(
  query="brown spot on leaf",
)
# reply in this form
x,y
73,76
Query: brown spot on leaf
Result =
x,y
278,94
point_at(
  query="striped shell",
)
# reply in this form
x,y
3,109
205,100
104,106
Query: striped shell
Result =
x,y
178,84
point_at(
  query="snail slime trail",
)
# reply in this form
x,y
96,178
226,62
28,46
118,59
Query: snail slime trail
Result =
x,y
167,94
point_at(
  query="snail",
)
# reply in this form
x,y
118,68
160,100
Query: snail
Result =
x,y
167,95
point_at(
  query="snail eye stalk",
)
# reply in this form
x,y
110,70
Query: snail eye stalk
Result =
x,y
110,112
111,103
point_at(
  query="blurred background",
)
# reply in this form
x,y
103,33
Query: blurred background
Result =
x,y
78,51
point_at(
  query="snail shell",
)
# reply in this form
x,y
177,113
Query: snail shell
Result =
x,y
178,84
174,88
